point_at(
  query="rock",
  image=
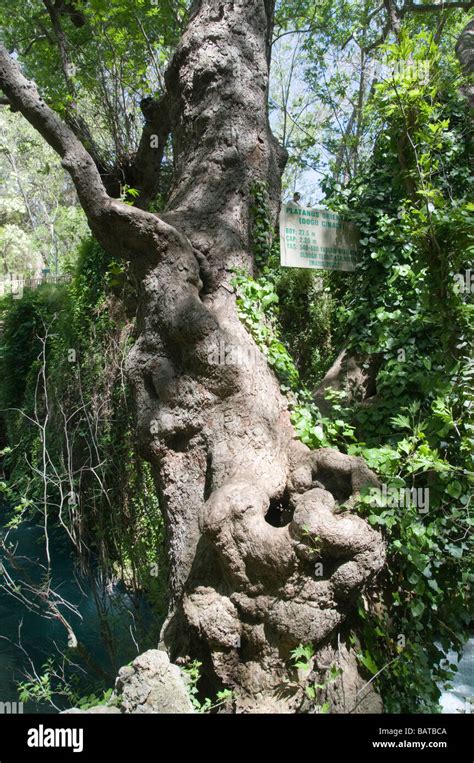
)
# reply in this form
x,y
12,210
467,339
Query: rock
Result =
x,y
151,684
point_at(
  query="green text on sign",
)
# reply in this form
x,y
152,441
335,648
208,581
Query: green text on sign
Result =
x,y
316,238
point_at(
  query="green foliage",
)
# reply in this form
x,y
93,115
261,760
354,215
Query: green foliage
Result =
x,y
92,700
302,656
39,689
114,54
412,205
331,676
255,302
89,435
192,673
427,591
23,323
41,224
45,688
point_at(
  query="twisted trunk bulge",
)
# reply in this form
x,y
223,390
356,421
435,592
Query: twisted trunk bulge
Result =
x,y
243,593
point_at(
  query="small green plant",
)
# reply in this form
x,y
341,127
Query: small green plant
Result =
x,y
53,687
313,540
302,656
129,195
312,691
303,659
192,672
92,700
38,690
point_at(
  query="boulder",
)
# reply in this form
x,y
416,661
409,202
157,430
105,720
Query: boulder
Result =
x,y
152,684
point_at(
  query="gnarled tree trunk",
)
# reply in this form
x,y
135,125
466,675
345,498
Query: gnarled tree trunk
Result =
x,y
260,559
243,591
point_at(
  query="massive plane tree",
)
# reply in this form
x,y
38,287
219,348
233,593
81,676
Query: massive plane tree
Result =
x,y
244,590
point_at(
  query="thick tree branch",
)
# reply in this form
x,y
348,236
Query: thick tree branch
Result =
x,y
62,44
71,10
145,170
393,16
23,95
116,225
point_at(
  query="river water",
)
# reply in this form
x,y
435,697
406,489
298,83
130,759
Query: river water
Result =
x,y
460,699
41,638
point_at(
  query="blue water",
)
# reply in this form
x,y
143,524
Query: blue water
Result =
x,y
460,699
25,634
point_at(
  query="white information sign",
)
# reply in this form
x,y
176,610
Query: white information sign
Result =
x,y
316,238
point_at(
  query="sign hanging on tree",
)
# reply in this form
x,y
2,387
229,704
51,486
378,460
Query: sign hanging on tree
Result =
x,y
316,238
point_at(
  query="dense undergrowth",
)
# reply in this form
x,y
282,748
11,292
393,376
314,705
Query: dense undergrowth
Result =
x,y
70,462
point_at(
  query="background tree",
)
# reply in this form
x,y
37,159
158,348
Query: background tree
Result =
x,y
42,224
334,56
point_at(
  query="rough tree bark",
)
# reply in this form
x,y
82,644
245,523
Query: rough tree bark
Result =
x,y
249,511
